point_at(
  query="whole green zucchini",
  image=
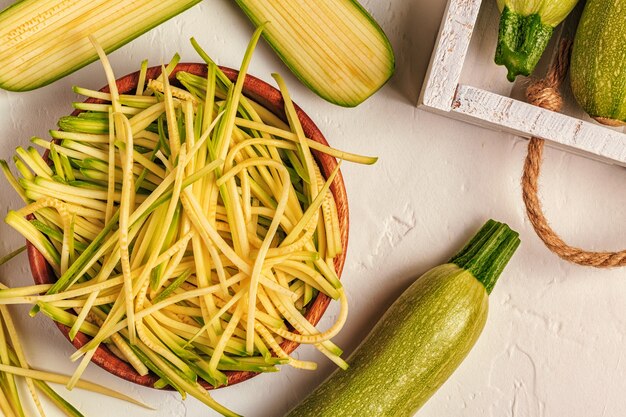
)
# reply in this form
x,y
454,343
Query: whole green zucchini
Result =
x,y
421,339
525,30
598,65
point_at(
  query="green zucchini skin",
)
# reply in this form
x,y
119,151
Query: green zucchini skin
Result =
x,y
525,31
521,42
410,353
598,64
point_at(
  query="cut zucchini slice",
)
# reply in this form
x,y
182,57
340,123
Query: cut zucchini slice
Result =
x,y
333,46
44,40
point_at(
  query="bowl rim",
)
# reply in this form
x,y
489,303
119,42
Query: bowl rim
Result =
x,y
270,98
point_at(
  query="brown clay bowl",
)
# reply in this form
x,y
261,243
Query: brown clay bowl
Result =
x,y
271,99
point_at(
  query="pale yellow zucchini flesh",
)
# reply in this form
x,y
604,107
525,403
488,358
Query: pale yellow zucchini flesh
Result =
x,y
333,46
44,40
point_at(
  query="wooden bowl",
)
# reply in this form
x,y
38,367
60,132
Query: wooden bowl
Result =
x,y
271,99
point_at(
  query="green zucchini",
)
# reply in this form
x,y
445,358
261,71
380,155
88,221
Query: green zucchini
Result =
x,y
421,339
598,65
525,30
44,40
333,46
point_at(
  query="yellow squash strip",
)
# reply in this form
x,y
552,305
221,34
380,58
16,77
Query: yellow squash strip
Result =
x,y
62,379
126,136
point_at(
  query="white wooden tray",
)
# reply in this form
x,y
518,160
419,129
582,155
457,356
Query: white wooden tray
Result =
x,y
463,82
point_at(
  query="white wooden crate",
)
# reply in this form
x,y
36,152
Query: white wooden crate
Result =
x,y
463,82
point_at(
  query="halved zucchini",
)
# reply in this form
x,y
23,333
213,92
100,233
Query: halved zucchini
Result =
x,y
333,46
44,40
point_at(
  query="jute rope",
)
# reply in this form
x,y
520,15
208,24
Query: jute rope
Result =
x,y
545,93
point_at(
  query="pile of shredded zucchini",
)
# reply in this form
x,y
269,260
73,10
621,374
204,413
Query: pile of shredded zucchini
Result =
x,y
14,366
189,229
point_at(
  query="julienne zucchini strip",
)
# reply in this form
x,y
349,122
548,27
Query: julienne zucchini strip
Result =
x,y
189,229
13,365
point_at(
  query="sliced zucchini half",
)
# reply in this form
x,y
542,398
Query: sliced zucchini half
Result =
x,y
44,40
333,46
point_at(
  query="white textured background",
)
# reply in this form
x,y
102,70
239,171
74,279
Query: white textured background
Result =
x,y
554,341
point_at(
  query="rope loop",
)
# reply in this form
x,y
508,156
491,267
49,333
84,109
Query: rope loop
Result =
x,y
545,94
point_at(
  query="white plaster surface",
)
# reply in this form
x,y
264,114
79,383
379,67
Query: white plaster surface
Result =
x,y
555,338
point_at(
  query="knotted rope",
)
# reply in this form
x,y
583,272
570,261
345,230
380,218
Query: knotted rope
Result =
x,y
545,93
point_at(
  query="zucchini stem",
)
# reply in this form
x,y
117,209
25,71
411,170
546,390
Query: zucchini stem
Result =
x,y
488,252
521,42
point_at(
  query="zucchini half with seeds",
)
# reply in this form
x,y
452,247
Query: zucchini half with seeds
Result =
x,y
333,46
44,40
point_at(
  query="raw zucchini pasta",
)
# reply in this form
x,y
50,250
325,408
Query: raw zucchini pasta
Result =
x,y
190,228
